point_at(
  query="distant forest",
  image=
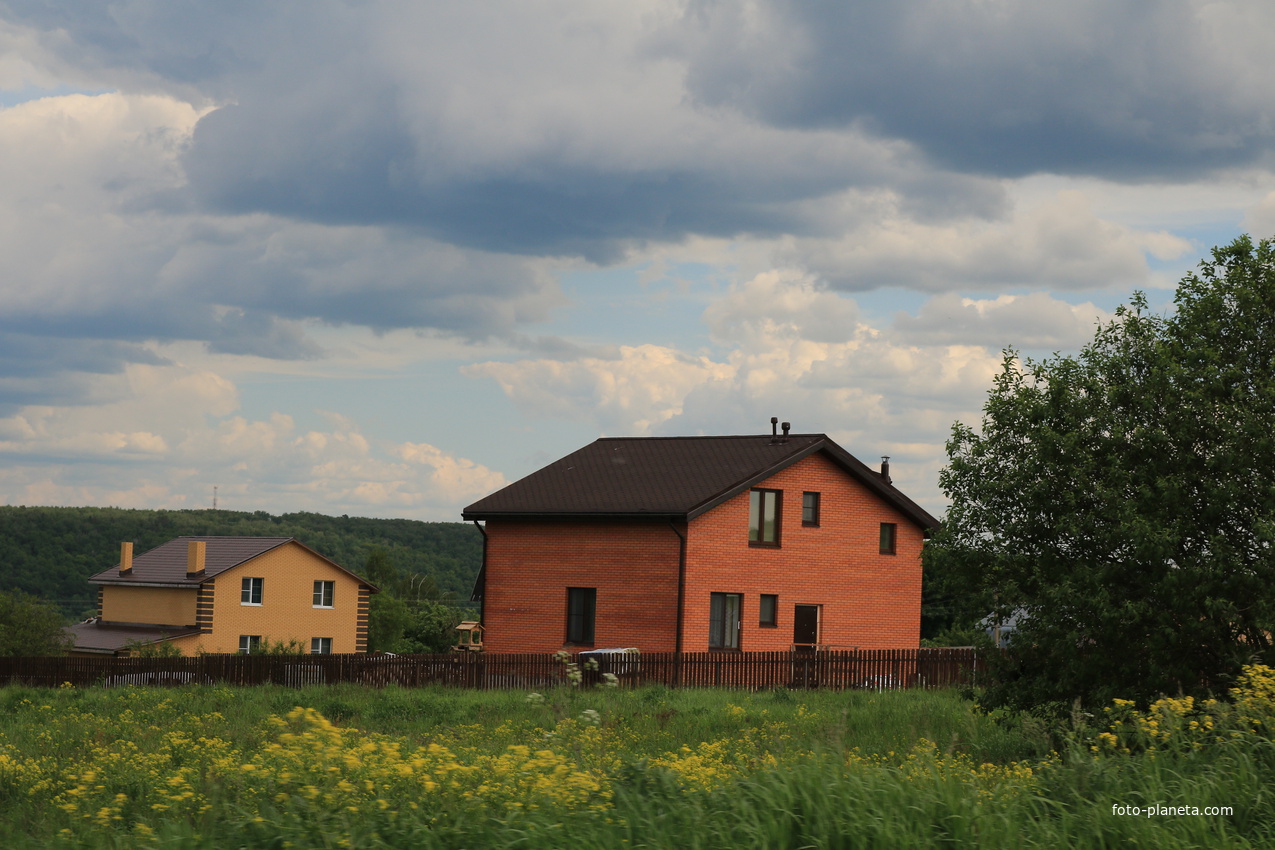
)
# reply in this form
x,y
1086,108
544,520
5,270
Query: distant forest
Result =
x,y
50,552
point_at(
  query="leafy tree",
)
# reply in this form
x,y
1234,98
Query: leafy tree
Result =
x,y
387,617
1122,501
432,627
29,627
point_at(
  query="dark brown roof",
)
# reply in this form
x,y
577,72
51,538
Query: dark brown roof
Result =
x,y
93,636
669,477
165,565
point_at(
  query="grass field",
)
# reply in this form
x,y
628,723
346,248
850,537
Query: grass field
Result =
x,y
351,767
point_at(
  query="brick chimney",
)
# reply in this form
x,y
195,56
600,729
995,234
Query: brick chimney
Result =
x,y
126,559
195,550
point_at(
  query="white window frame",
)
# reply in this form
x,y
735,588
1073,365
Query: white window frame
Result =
x,y
252,587
321,646
247,643
320,586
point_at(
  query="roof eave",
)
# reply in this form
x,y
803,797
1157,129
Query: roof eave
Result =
x,y
481,516
126,582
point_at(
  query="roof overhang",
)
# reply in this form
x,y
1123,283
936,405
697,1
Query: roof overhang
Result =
x,y
124,582
573,516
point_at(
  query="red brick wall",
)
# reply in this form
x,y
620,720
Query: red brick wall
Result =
x,y
634,567
867,599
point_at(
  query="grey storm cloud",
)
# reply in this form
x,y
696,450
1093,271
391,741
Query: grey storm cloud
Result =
x,y
394,165
36,369
326,115
1119,89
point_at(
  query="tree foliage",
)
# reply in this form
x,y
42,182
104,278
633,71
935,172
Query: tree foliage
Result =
x,y
29,627
1122,501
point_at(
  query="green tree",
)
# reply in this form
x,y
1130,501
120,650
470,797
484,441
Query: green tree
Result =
x,y
432,627
29,627
1122,501
387,617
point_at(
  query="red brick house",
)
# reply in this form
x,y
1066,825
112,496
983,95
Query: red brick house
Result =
x,y
696,543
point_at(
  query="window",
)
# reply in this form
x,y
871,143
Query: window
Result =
x,y
887,538
723,621
810,509
768,610
249,643
582,606
763,518
251,594
323,591
320,646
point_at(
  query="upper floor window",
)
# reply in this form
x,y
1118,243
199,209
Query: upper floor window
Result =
x,y
251,593
323,593
888,533
810,509
763,517
249,644
320,646
582,607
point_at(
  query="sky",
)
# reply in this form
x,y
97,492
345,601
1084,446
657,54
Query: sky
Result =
x,y
383,258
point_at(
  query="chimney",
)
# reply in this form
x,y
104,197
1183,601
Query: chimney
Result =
x,y
786,426
126,559
885,469
774,421
195,558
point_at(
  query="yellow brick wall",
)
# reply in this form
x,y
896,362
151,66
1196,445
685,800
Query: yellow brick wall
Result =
x,y
165,606
287,604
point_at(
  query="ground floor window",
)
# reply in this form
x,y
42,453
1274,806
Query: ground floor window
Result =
x,y
320,646
723,621
582,607
768,610
249,644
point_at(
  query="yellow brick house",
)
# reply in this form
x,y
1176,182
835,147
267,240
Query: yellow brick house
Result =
x,y
225,595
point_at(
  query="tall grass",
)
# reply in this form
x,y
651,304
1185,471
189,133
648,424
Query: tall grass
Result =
x,y
656,768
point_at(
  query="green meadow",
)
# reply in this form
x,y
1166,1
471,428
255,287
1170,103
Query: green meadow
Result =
x,y
347,766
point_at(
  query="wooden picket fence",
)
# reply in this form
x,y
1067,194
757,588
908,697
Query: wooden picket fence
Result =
x,y
875,669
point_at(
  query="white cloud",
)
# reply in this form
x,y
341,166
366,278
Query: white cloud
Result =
x,y
172,434
793,350
1259,220
1032,321
631,394
1059,244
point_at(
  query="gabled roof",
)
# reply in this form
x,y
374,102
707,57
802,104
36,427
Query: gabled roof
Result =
x,y
669,477
165,565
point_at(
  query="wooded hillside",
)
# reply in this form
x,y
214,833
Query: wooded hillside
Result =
x,y
50,552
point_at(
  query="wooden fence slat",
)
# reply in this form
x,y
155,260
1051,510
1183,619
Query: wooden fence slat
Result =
x,y
874,669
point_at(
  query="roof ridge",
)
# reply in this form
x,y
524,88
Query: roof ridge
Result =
x,y
712,437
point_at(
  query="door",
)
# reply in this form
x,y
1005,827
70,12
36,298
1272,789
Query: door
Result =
x,y
805,625
724,621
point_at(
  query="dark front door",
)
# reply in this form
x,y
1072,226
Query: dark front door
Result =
x,y
805,625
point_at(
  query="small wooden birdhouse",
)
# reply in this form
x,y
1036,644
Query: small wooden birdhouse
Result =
x,y
469,637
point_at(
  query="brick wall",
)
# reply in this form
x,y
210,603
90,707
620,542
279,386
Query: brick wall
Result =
x,y
162,605
287,605
634,567
866,599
